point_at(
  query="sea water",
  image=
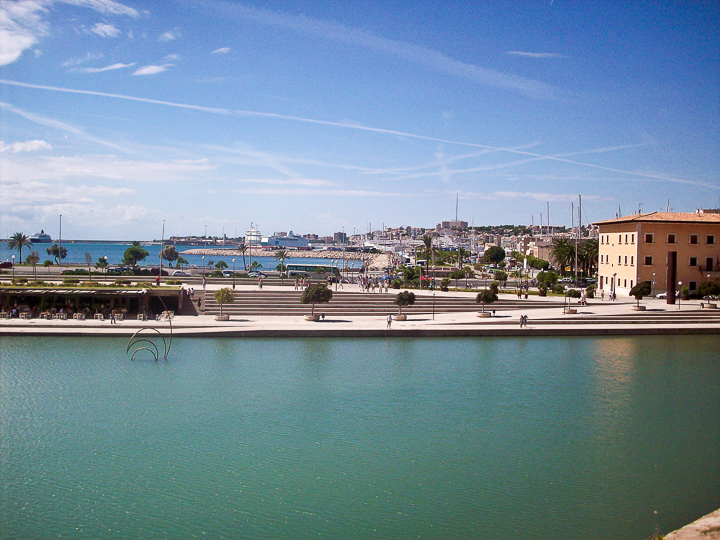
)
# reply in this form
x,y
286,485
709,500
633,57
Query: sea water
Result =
x,y
488,438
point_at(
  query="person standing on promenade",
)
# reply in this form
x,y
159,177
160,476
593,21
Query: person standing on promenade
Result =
x,y
389,321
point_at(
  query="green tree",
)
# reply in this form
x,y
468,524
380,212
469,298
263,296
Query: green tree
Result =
x,y
33,259
462,253
47,264
88,261
708,288
641,289
58,252
181,260
563,253
281,255
169,254
101,263
547,279
19,241
494,255
134,254
221,265
500,276
468,274
318,293
427,240
320,270
404,299
224,296
588,255
242,248
457,275
488,296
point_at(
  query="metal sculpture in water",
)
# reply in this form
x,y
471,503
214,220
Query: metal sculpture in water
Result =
x,y
134,340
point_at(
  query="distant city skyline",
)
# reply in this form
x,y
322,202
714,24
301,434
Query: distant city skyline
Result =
x,y
314,118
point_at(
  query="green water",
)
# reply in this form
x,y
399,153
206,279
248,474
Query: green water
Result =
x,y
548,438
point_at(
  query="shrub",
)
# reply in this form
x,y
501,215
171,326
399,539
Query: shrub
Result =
x,y
558,289
403,299
590,291
71,281
20,281
224,296
573,293
316,294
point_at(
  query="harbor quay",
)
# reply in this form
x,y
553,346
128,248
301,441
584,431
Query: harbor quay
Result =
x,y
276,310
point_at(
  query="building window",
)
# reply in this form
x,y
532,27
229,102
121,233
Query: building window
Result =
x,y
626,238
693,285
625,260
709,264
625,283
710,239
632,260
693,261
619,259
619,238
648,261
631,285
618,282
649,238
693,238
632,238
670,238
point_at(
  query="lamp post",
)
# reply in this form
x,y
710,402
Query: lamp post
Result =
x,y
203,270
653,287
13,264
105,267
679,295
233,274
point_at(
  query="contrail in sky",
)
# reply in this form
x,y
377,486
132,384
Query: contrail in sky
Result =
x,y
257,114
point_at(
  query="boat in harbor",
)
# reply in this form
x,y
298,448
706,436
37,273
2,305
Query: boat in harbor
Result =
x,y
41,238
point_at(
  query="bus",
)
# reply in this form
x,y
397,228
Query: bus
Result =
x,y
309,271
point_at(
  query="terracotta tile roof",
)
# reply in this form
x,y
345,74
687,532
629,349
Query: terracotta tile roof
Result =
x,y
675,217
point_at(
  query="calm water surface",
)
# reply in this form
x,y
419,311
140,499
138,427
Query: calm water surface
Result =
x,y
548,438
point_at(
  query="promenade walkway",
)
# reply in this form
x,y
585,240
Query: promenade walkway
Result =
x,y
276,311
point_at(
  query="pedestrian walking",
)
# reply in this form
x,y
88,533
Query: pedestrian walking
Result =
x,y
389,321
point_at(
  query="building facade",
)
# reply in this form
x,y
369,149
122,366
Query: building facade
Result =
x,y
659,247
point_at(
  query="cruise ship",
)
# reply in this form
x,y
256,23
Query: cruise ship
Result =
x,y
40,238
290,240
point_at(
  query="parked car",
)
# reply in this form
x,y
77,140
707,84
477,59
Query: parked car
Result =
x,y
255,273
180,273
227,273
6,264
565,281
663,295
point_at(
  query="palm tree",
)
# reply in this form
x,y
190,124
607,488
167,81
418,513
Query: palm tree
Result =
x,y
427,240
281,255
462,253
242,248
19,241
563,253
588,255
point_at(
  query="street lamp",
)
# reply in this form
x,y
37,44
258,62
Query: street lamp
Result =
x,y
233,274
203,270
679,295
13,264
653,287
106,265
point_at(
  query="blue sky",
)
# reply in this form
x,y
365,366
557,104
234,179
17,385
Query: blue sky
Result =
x,y
314,116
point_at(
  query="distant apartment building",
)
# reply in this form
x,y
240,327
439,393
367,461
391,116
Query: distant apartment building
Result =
x,y
454,224
340,238
665,248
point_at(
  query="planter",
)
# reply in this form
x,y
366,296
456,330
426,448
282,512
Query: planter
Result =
x,y
638,308
399,317
570,311
222,317
314,318
708,305
542,293
484,315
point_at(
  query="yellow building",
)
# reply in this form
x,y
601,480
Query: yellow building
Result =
x,y
660,247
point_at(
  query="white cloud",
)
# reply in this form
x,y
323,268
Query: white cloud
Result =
x,y
429,58
23,23
283,182
152,70
221,50
100,167
77,61
105,30
27,146
536,55
173,57
171,35
106,68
